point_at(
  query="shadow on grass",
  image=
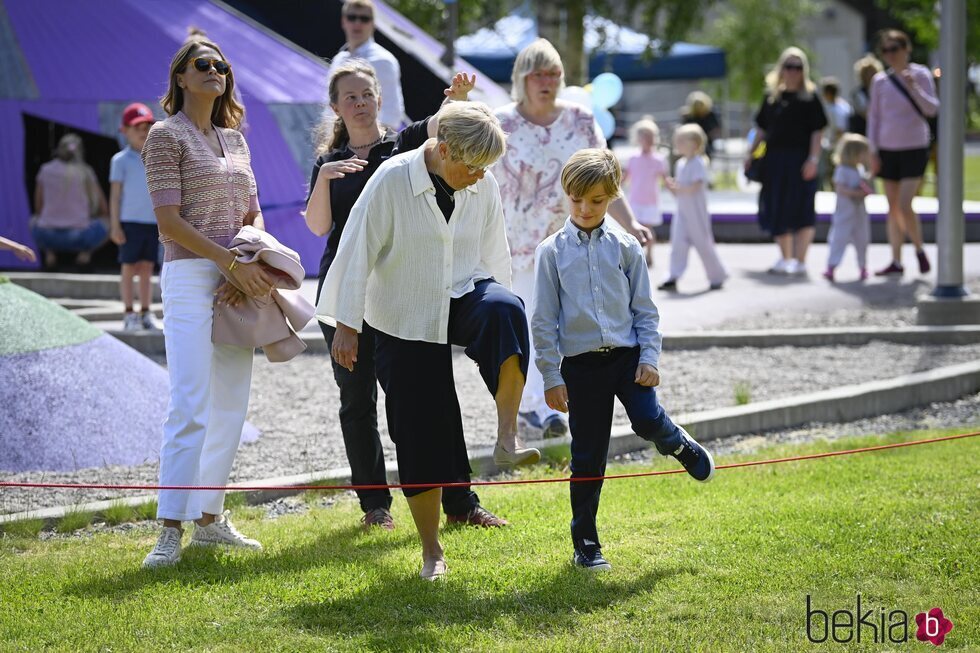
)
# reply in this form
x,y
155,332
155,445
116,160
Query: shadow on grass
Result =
x,y
198,566
552,604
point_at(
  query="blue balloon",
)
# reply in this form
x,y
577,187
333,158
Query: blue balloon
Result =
x,y
606,122
607,88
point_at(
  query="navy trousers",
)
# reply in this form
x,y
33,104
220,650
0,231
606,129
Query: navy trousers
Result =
x,y
424,418
594,380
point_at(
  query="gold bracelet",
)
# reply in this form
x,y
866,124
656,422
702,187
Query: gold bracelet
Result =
x,y
233,263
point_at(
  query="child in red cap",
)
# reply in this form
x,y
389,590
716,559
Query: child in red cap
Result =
x,y
133,223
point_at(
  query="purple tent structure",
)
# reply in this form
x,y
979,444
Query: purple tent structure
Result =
x,y
74,65
77,64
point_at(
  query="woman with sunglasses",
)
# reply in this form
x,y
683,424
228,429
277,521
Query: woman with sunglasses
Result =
x,y
791,121
902,97
352,145
543,133
198,171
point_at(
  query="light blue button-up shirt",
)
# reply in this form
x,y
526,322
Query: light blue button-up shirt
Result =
x,y
591,291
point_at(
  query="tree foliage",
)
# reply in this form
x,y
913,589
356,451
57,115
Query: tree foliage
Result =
x,y
664,21
753,33
921,18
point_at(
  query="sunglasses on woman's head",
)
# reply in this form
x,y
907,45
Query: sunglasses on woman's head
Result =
x,y
359,18
792,66
204,64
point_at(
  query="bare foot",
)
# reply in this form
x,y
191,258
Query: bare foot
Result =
x,y
83,258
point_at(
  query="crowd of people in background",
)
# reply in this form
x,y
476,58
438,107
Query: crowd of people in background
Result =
x,y
513,239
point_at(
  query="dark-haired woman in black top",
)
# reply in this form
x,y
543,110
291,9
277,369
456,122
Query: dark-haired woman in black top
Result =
x,y
351,147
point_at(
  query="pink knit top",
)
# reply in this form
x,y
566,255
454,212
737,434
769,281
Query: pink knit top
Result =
x,y
181,170
893,123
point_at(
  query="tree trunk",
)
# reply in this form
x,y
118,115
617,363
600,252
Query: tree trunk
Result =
x,y
563,23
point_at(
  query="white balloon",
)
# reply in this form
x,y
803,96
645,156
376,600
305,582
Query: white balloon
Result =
x,y
576,94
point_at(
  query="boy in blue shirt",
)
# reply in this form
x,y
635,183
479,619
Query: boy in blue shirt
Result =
x,y
133,223
596,337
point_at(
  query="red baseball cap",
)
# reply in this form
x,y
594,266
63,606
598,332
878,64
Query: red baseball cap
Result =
x,y
136,113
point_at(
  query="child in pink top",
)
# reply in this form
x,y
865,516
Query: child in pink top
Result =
x,y
643,173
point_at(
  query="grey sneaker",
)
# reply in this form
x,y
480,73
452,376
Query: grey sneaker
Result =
x,y
166,553
147,321
131,322
222,531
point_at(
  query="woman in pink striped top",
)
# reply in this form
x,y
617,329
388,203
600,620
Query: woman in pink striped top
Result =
x,y
198,170
901,98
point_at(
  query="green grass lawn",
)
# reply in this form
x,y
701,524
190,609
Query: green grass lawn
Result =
x,y
726,566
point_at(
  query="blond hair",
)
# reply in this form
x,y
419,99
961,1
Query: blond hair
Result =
x,y
589,168
644,125
540,54
471,132
362,4
693,132
698,104
851,148
865,68
331,132
774,80
226,111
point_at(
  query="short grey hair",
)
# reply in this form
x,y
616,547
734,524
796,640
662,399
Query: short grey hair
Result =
x,y
540,54
472,133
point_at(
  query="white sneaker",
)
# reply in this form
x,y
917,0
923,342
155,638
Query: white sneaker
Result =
x,y
796,268
166,553
782,266
222,531
147,321
131,322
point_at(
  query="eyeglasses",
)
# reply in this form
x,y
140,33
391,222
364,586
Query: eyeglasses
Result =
x,y
474,169
891,49
792,66
359,18
204,64
542,75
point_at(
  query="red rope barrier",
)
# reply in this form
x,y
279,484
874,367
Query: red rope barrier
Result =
x,y
395,486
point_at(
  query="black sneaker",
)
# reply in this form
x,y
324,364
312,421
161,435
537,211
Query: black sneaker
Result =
x,y
555,426
590,557
695,458
669,284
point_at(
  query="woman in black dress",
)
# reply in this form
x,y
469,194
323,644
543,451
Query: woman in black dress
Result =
x,y
790,121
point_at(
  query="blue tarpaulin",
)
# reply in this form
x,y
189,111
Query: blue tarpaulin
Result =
x,y
611,48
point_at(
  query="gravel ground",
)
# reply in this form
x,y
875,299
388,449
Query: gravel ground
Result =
x,y
295,405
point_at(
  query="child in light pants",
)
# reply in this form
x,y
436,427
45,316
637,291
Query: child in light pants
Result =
x,y
850,223
691,226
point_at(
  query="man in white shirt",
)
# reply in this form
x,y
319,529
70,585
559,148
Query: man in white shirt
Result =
x,y
424,262
357,21
838,112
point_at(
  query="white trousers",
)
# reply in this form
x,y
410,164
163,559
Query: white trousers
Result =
x,y
695,231
533,398
209,387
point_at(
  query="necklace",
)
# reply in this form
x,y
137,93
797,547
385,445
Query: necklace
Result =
x,y
445,189
371,144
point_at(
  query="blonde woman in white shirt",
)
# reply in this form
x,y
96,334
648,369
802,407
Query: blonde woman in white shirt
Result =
x,y
424,262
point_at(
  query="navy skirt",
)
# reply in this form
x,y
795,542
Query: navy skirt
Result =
x,y
786,202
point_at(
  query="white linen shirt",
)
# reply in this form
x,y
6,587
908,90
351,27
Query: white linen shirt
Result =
x,y
389,74
399,263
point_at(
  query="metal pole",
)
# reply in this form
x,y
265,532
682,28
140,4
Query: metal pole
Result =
x,y
452,23
950,224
